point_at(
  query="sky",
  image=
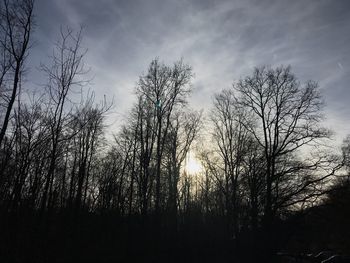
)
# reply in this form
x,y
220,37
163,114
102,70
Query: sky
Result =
x,y
222,40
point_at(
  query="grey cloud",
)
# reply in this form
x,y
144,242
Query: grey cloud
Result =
x,y
222,40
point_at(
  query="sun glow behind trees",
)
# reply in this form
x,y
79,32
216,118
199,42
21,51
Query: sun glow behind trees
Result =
x,y
192,166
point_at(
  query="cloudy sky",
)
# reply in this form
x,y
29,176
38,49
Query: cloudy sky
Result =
x,y
222,40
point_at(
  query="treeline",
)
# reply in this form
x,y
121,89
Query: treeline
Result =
x,y
264,158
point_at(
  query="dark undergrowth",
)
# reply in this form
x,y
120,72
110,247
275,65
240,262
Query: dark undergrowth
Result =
x,y
108,238
92,237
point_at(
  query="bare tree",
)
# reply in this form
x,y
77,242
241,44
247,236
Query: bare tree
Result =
x,y
88,126
288,117
231,139
16,26
31,137
164,88
183,130
64,75
145,127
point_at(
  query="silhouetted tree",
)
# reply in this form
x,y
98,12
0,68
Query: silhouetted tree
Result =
x,y
288,117
230,136
16,26
183,130
63,75
163,89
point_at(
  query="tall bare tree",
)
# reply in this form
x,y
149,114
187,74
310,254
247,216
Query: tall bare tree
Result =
x,y
16,26
230,136
164,88
183,130
287,118
64,74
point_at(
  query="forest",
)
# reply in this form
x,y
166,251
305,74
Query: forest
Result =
x,y
253,178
